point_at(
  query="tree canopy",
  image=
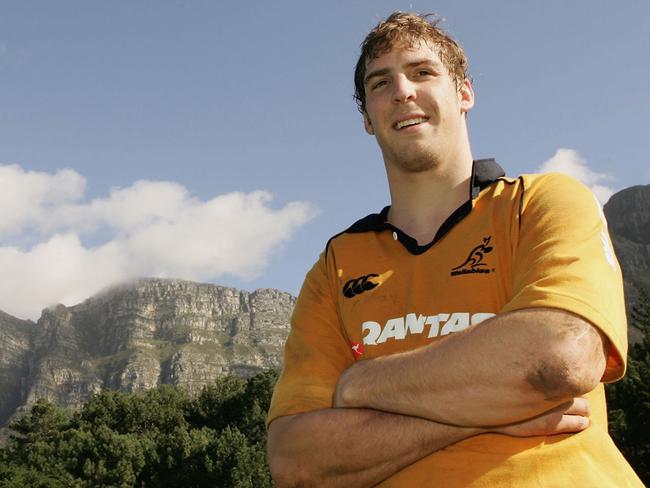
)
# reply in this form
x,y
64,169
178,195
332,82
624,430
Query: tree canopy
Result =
x,y
628,401
161,437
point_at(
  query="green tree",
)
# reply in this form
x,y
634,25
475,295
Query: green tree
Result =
x,y
33,456
219,404
629,399
254,404
157,438
162,409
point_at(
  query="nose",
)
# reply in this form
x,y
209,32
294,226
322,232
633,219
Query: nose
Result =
x,y
403,89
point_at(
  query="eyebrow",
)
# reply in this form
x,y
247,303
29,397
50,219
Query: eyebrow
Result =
x,y
385,71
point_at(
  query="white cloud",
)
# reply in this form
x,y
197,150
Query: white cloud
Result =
x,y
27,197
569,162
156,228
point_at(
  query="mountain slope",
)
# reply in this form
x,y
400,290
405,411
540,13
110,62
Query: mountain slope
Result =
x,y
137,335
628,216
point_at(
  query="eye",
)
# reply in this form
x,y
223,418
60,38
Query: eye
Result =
x,y
379,84
424,72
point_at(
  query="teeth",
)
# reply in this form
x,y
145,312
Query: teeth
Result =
x,y
405,123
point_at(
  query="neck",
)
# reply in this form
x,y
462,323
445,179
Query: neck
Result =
x,y
422,201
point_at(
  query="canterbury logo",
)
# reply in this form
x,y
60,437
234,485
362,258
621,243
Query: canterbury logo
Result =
x,y
357,286
474,262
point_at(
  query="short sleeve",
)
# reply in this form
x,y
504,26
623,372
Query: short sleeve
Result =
x,y
563,258
316,352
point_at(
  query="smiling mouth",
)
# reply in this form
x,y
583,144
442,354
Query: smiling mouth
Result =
x,y
410,122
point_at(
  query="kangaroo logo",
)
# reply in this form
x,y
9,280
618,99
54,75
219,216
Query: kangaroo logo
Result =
x,y
474,262
357,349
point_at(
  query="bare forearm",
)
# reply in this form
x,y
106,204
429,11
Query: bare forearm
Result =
x,y
352,447
495,373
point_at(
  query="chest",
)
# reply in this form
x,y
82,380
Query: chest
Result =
x,y
390,300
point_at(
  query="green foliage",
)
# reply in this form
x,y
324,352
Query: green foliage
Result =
x,y
160,438
629,399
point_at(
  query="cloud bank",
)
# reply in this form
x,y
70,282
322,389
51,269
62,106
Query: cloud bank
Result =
x,y
568,161
151,228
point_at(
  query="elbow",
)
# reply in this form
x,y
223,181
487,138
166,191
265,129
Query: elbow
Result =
x,y
288,474
570,367
560,378
283,472
286,471
282,475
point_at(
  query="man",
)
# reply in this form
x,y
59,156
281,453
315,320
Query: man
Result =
x,y
389,379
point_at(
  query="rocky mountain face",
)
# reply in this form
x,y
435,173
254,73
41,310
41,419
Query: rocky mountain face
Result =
x,y
628,216
16,339
139,335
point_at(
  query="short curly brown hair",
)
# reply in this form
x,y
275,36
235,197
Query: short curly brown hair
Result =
x,y
406,29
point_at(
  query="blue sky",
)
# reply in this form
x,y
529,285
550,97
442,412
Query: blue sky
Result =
x,y
218,141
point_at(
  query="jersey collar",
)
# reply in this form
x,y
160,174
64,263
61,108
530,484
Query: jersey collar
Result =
x,y
484,173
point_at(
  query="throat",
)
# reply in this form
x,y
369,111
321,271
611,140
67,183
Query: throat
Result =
x,y
424,238
423,216
423,230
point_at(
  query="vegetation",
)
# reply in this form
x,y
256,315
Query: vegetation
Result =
x,y
628,400
161,438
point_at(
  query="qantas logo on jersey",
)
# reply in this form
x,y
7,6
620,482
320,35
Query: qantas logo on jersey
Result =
x,y
474,262
432,325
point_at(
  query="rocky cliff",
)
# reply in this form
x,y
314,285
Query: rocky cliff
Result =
x,y
628,215
16,338
138,335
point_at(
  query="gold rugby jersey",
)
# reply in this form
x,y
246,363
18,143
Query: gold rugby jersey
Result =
x,y
532,241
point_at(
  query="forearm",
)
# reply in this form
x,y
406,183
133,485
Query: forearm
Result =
x,y
352,447
499,372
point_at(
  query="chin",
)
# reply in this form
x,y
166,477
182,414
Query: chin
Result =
x,y
417,163
417,166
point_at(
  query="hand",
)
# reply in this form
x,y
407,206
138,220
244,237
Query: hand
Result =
x,y
342,393
569,417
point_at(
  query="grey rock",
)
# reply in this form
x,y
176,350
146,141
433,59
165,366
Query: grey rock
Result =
x,y
16,345
628,213
137,335
628,217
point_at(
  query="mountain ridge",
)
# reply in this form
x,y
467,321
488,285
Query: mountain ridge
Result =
x,y
628,217
137,335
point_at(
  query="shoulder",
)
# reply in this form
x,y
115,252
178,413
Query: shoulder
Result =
x,y
375,222
553,184
556,191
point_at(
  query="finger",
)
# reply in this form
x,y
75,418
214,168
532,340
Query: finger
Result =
x,y
578,406
567,424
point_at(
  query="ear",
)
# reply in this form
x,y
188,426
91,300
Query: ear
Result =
x,y
367,124
466,96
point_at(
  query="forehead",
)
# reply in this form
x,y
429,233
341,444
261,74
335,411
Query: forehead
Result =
x,y
404,54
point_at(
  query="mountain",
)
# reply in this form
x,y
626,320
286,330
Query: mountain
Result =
x,y
138,335
15,354
628,217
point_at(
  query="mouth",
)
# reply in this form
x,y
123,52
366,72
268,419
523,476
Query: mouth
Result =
x,y
413,121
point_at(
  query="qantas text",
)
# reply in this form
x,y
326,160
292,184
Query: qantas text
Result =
x,y
433,325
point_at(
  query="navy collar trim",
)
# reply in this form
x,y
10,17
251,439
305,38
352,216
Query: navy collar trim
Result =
x,y
484,173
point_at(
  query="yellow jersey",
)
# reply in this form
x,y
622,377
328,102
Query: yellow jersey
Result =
x,y
527,242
